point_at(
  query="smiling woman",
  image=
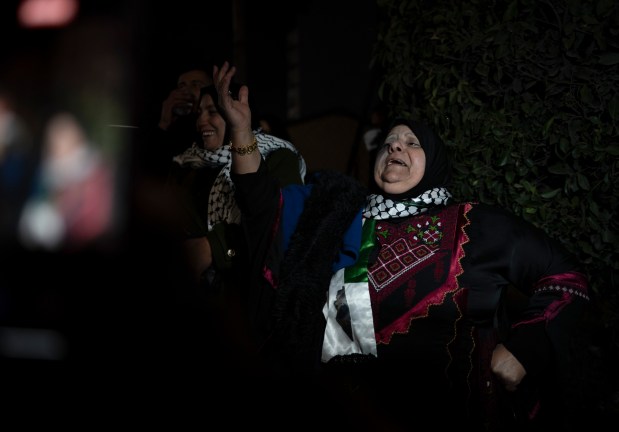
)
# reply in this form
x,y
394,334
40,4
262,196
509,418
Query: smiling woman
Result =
x,y
400,162
211,153
401,292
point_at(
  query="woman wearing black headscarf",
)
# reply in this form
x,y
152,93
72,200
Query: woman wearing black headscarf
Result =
x,y
398,300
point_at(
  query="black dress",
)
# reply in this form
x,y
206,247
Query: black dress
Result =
x,y
443,288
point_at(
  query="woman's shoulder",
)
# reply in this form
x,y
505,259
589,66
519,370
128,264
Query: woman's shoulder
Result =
x,y
274,142
276,150
491,209
481,207
281,153
491,216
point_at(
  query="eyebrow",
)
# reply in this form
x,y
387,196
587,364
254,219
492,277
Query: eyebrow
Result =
x,y
405,134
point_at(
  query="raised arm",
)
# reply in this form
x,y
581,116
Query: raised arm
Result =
x,y
243,145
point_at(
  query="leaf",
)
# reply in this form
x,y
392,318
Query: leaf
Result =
x,y
560,169
583,182
550,194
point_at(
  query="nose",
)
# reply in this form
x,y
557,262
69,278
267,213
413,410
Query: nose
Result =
x,y
395,146
203,116
202,120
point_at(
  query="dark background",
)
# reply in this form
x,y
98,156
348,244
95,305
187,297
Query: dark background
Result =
x,y
118,60
115,64
326,44
320,49
102,317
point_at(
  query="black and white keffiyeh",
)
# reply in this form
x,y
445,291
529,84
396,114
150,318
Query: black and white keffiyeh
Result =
x,y
222,206
380,207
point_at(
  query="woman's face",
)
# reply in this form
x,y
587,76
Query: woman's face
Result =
x,y
210,124
400,162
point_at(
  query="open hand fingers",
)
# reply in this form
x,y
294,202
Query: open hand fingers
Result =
x,y
222,78
243,94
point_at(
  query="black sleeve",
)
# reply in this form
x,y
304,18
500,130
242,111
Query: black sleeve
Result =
x,y
258,197
553,289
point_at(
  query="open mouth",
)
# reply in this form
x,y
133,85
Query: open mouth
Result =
x,y
395,162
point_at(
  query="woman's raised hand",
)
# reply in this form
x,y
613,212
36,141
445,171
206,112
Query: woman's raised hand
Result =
x,y
238,113
243,145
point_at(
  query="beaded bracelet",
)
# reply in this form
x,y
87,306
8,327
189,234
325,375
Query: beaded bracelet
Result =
x,y
245,150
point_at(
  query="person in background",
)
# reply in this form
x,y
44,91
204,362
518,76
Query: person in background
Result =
x,y
388,311
207,225
175,128
71,206
160,135
201,177
183,99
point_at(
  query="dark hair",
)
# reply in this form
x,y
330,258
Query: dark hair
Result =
x,y
191,64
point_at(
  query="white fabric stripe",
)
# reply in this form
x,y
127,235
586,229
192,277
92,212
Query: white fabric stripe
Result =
x,y
336,341
360,308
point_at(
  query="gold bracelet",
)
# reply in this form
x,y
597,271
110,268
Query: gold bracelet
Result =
x,y
242,151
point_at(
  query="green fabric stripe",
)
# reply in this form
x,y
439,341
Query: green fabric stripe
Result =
x,y
358,272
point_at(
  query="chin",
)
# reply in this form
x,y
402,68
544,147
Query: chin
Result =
x,y
394,188
393,191
210,146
